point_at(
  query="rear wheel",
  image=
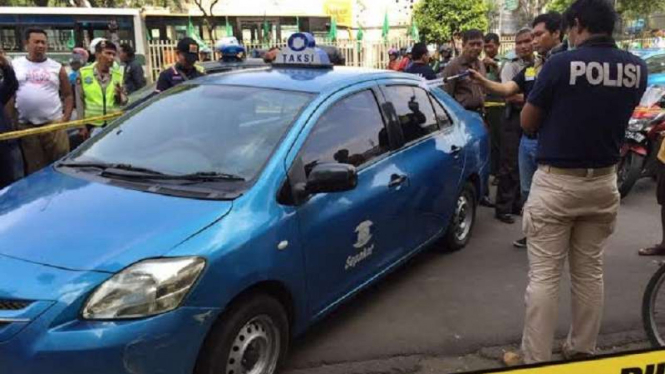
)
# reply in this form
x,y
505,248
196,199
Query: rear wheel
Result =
x,y
462,221
653,309
252,337
629,170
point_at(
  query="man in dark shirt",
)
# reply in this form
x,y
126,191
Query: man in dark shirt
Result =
x,y
185,69
133,73
465,91
580,107
420,65
508,200
547,36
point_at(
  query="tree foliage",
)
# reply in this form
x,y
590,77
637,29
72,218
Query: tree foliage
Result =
x,y
439,20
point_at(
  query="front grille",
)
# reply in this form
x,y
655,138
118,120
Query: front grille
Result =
x,y
14,304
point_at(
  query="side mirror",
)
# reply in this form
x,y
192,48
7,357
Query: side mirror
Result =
x,y
331,177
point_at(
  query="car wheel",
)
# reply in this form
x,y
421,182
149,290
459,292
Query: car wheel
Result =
x,y
252,337
462,220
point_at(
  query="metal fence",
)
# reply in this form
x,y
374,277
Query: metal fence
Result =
x,y
508,44
367,54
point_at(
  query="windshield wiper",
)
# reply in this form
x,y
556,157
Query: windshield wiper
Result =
x,y
135,172
192,177
105,166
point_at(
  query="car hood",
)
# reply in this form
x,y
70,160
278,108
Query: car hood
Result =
x,y
54,219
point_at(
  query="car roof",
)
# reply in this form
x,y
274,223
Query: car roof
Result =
x,y
305,79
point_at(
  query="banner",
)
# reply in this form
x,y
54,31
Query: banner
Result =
x,y
643,362
340,10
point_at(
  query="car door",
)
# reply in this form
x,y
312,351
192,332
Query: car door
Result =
x,y
431,156
350,237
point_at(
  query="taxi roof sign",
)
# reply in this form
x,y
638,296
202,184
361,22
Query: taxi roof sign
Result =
x,y
301,51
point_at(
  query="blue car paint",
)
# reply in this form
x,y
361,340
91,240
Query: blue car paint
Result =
x,y
238,239
94,226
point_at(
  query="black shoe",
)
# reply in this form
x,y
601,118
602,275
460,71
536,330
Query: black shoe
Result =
x,y
505,218
485,201
520,243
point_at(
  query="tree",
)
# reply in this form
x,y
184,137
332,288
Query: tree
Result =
x,y
208,16
439,20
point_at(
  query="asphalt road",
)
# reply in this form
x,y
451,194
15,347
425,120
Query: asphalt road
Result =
x,y
458,303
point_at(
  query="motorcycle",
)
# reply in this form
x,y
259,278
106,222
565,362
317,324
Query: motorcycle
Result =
x,y
642,142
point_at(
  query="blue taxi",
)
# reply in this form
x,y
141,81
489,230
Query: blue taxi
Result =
x,y
204,229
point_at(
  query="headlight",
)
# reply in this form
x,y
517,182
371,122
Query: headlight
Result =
x,y
636,124
144,289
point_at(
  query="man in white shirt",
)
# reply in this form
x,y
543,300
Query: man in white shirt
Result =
x,y
44,97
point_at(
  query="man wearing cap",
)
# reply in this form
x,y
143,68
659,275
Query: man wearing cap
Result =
x,y
99,89
185,69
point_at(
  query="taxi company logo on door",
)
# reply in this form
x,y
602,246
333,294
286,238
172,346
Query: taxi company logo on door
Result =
x,y
364,231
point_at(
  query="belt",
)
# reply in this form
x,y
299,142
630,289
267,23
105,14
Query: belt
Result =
x,y
530,136
580,172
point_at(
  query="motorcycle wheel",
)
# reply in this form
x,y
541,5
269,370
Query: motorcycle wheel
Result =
x,y
629,171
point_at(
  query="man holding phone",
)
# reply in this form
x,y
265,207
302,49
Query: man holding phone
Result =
x,y
99,89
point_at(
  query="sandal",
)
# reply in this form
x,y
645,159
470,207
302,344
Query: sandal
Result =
x,y
656,250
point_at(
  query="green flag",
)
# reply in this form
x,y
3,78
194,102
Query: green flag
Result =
x,y
229,29
192,33
414,33
360,34
266,31
71,43
386,28
332,34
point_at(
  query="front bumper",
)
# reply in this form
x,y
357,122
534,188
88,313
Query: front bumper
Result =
x,y
46,335
168,343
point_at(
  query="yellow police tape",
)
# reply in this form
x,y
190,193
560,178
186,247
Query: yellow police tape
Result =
x,y
492,104
58,126
652,362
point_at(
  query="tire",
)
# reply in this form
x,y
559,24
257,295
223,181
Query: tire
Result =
x,y
251,337
657,338
630,169
462,220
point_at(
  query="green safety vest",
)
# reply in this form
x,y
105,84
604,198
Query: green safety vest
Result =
x,y
98,102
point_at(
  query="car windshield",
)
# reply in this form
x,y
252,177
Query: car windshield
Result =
x,y
652,96
199,129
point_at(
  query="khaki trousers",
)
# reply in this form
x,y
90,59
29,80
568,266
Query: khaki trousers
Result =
x,y
566,217
41,150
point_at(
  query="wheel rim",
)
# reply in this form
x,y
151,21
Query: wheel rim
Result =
x,y
657,315
463,218
256,348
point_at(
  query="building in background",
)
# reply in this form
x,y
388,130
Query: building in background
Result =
x,y
248,18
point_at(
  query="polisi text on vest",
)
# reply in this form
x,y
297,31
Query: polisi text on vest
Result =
x,y
609,75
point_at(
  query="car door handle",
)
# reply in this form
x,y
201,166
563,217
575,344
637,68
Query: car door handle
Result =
x,y
396,180
455,151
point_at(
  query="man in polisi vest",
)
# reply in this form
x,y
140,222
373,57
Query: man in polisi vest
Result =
x,y
580,107
99,89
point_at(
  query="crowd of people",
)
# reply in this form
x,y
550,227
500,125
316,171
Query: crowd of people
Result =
x,y
557,140
36,91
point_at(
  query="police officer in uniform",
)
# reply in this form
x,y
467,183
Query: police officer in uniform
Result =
x,y
580,107
185,69
99,88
